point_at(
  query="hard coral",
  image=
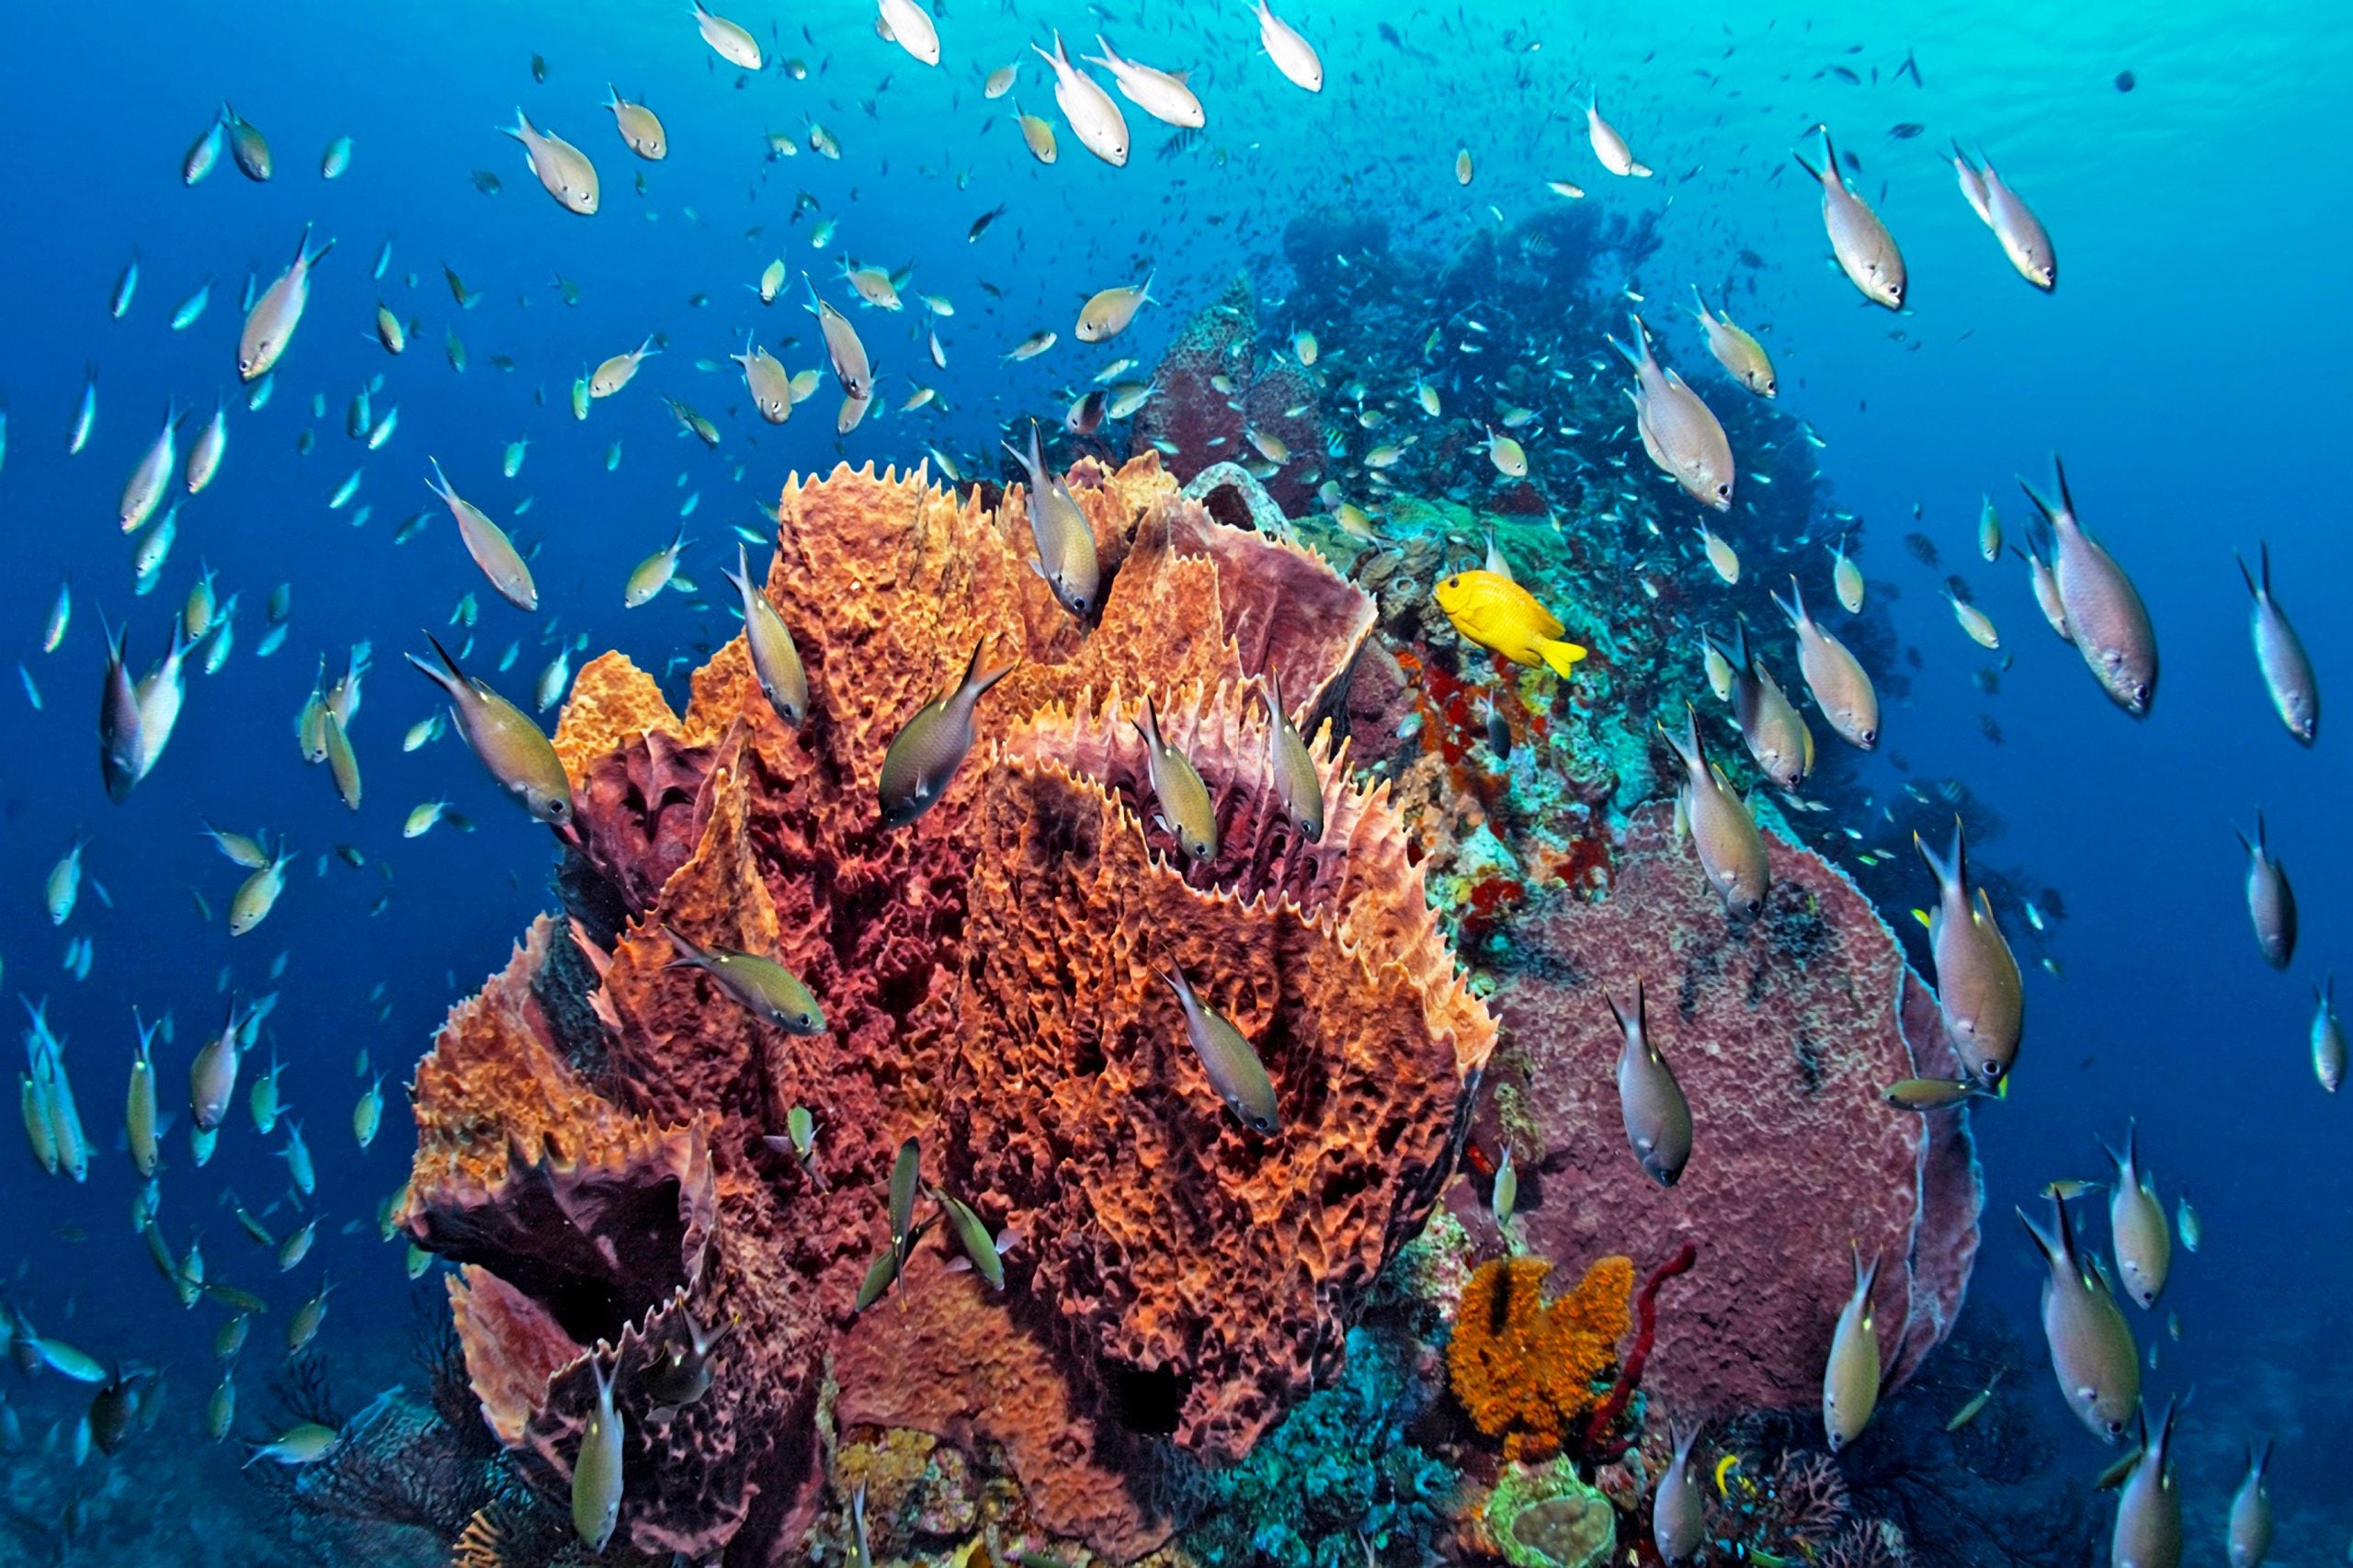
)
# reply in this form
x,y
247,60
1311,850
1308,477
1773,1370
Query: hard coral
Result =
x,y
1523,1367
592,1128
1782,1032
1549,1516
1204,425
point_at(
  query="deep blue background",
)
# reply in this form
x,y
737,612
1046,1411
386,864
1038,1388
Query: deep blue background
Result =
x,y
2189,367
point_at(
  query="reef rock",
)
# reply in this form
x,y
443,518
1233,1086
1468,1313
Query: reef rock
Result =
x,y
1782,1031
593,1128
1205,424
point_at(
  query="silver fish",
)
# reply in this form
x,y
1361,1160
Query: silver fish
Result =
x,y
2106,618
488,544
1732,852
269,325
1065,539
2249,1538
1850,1376
2091,1345
776,662
1291,765
2148,1512
1679,1515
515,750
596,1467
1865,251
2270,902
2136,1225
1234,1068
2279,654
1678,430
1657,1117
1186,809
1979,991
924,757
1835,679
2327,1036
1775,730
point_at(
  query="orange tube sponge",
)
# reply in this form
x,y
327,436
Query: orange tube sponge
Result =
x,y
1525,1369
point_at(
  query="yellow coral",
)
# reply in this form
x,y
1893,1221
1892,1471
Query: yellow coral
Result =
x,y
1524,1368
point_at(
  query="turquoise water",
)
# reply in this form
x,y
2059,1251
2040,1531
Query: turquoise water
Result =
x,y
2185,366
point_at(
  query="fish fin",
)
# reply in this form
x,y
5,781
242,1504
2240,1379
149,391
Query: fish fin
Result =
x,y
1562,656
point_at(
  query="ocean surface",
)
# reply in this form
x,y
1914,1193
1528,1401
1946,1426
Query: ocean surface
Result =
x,y
2186,368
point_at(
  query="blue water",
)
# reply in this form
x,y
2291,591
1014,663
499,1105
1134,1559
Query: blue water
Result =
x,y
2188,368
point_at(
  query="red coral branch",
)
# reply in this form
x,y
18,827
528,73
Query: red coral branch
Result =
x,y
1600,1447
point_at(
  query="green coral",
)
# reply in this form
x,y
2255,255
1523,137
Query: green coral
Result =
x,y
1544,1517
1337,1476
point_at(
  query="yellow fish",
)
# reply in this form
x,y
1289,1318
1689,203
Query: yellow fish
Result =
x,y
1499,615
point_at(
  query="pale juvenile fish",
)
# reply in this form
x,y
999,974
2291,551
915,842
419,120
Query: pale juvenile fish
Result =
x,y
342,762
616,372
1730,851
247,146
305,1442
1083,418
2186,1226
513,748
1566,189
1775,732
119,740
2105,617
1928,1093
488,544
1109,310
925,754
259,893
2092,1353
1719,667
1036,134
766,380
1304,348
1291,765
1293,55
1065,539
1234,1068
873,285
204,454
2136,1223
1462,169
1160,94
144,491
1973,184
2148,1512
847,353
160,693
1850,1377
1608,145
1000,80
2327,1036
1845,578
728,41
1737,350
1975,1404
336,159
1720,553
596,1464
1509,458
1681,434
1865,251
1679,1513
651,576
2270,902
202,153
770,992
1504,1197
212,1076
561,169
269,325
853,412
1989,529
641,129
1092,115
2046,592
973,1237
1979,991
776,662
1186,809
911,29
140,1122
301,1172
2279,655
64,884
2249,1536
1835,679
86,414
192,308
1650,1101
771,281
220,1411
1975,623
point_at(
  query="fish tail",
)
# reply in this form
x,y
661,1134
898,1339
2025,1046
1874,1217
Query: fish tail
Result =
x,y
1562,655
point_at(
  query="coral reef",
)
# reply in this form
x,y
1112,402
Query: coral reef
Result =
x,y
1548,1516
1195,421
591,1127
1524,1368
1782,1031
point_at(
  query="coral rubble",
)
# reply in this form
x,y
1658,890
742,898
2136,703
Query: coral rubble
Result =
x,y
593,1127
